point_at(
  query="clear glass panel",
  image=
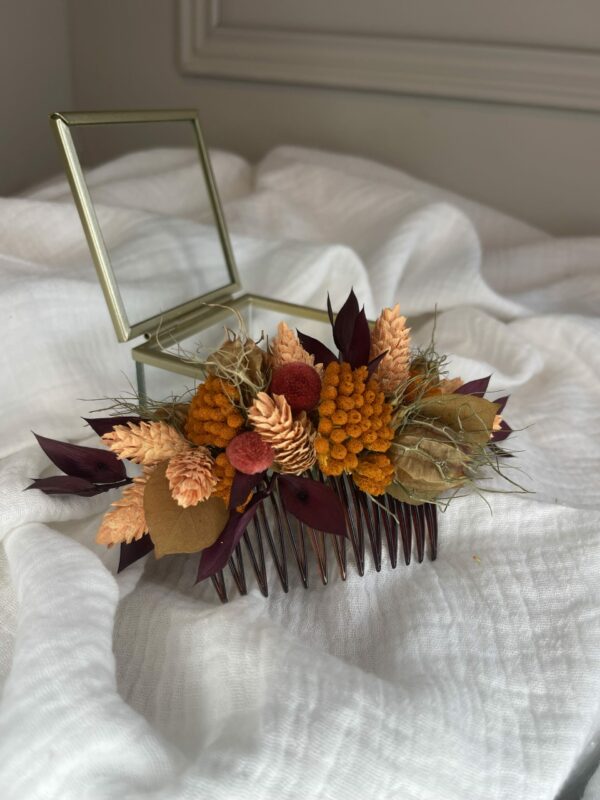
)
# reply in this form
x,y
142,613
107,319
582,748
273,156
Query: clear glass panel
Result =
x,y
257,322
150,196
179,372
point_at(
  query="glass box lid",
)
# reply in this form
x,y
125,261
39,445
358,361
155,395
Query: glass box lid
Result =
x,y
148,202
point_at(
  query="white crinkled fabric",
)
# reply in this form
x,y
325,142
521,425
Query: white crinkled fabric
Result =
x,y
476,676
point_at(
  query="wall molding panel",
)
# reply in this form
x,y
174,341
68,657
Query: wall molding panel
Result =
x,y
554,78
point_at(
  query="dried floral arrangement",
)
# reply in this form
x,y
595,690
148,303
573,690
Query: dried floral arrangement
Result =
x,y
371,440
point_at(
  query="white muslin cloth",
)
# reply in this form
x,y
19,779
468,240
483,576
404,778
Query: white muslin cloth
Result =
x,y
476,676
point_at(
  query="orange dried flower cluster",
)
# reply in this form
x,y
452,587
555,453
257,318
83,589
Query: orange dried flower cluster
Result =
x,y
374,473
353,416
213,418
224,472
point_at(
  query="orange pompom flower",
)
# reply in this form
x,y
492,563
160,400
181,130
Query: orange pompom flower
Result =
x,y
353,416
213,418
224,472
373,473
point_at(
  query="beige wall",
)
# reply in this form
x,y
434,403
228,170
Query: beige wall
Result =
x,y
538,164
35,79
551,23
534,162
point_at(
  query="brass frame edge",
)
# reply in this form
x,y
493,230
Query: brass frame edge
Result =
x,y
152,353
61,122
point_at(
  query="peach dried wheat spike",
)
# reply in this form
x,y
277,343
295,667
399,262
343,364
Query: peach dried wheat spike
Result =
x,y
125,521
147,443
286,348
390,333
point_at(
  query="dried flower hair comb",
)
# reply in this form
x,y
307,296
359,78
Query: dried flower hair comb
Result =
x,y
291,444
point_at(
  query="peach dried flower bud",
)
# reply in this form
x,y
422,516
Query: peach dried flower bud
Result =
x,y
191,476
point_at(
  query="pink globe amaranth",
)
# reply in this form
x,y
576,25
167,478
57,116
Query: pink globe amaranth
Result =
x,y
299,383
249,454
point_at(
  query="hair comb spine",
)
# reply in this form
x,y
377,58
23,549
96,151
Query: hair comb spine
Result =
x,y
275,532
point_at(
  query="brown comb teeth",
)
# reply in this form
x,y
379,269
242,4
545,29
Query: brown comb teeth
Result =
x,y
284,539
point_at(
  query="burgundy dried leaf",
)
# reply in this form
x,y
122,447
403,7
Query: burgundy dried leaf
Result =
x,y
313,503
135,550
65,484
330,310
91,463
242,486
501,403
477,388
375,362
215,557
322,354
343,329
358,351
102,425
504,432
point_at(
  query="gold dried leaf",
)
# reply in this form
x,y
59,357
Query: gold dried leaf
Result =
x,y
473,416
421,475
236,354
449,385
174,529
401,494
427,463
